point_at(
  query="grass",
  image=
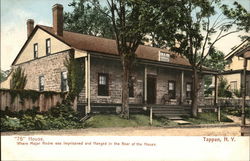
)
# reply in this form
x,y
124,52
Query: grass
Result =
x,y
207,118
98,121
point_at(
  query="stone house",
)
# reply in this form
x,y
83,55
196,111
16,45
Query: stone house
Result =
x,y
160,76
233,72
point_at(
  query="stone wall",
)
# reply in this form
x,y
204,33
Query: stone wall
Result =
x,y
50,67
114,69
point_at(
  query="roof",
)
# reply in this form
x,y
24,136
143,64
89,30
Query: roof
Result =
x,y
238,49
108,46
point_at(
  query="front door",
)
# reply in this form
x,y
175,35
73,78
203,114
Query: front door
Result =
x,y
151,89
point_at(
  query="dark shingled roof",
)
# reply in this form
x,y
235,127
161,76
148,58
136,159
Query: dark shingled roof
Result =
x,y
108,46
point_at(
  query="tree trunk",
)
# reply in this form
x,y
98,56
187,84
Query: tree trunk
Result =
x,y
125,97
195,93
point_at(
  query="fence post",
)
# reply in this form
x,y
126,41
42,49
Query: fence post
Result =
x,y
218,112
151,116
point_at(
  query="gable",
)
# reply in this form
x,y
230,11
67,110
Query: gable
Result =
x,y
39,36
236,63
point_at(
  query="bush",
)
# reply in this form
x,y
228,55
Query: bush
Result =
x,y
236,111
10,124
61,117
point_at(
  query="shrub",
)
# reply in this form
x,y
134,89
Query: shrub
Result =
x,y
61,117
10,123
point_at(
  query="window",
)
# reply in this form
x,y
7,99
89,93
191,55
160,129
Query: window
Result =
x,y
188,90
131,86
164,56
233,85
48,47
103,84
64,81
171,89
35,51
41,83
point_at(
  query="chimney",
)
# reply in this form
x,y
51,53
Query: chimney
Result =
x,y
57,10
30,26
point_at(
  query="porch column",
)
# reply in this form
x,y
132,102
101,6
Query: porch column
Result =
x,y
243,116
87,83
145,84
215,89
182,87
89,95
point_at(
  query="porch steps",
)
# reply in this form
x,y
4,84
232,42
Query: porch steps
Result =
x,y
172,112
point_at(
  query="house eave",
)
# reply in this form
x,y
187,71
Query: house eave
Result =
x,y
152,62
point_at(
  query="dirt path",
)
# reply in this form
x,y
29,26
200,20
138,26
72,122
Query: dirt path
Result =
x,y
137,131
237,119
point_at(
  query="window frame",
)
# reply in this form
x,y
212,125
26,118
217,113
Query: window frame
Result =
x,y
48,47
35,52
103,90
64,82
41,86
172,93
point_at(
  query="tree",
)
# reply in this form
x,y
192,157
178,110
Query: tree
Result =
x,y
132,20
198,30
87,19
18,79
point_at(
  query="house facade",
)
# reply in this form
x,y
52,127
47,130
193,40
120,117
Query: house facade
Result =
x,y
159,76
234,69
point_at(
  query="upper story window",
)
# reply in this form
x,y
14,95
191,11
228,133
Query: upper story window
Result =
x,y
171,89
233,85
41,83
64,81
188,90
103,86
164,56
35,50
48,47
131,86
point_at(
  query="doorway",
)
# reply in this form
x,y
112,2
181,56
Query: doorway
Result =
x,y
151,89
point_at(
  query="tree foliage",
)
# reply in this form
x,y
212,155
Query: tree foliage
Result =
x,y
18,79
215,61
87,19
198,29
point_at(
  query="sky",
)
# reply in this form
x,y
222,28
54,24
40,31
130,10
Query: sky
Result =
x,y
14,14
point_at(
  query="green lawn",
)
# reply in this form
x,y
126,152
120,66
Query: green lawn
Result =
x,y
98,121
207,118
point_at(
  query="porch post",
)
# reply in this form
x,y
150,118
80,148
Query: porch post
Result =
x,y
182,87
87,83
145,84
215,90
89,95
243,116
